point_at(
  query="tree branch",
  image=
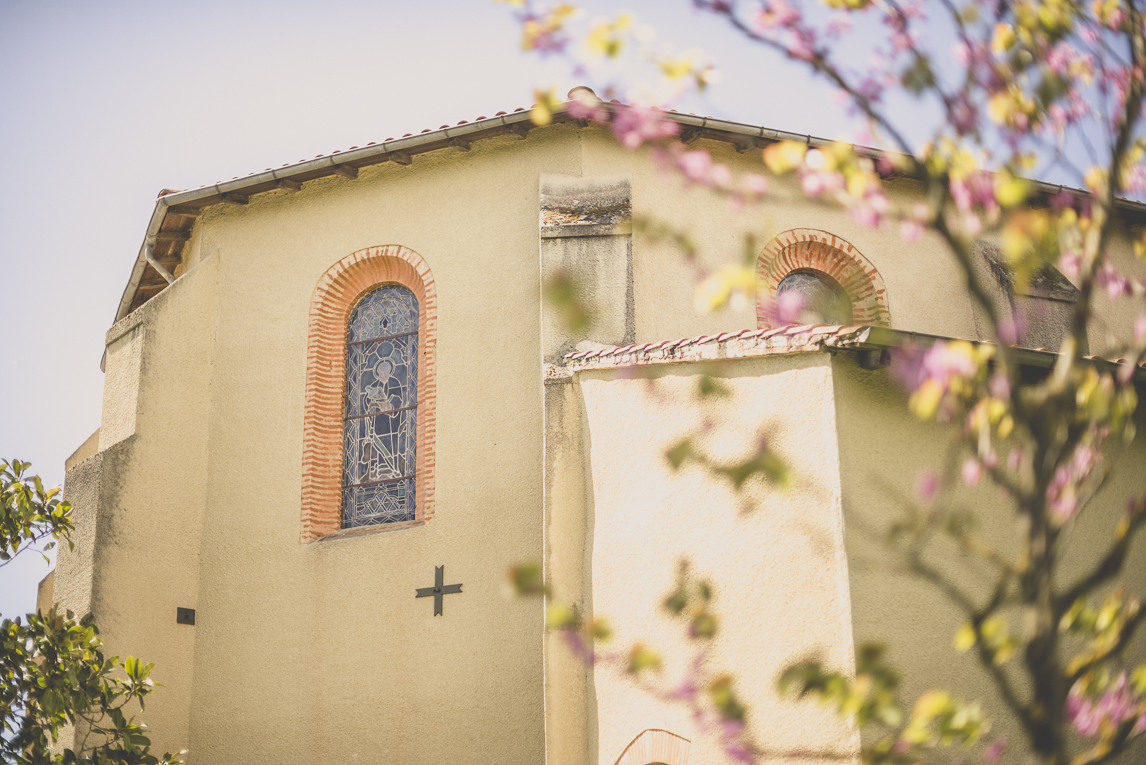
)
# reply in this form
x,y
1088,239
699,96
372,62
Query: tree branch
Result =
x,y
1111,564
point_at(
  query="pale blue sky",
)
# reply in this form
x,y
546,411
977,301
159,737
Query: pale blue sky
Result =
x,y
103,104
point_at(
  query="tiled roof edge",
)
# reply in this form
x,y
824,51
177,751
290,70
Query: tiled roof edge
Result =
x,y
410,144
752,343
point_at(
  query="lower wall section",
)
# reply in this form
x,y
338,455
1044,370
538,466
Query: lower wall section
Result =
x,y
775,557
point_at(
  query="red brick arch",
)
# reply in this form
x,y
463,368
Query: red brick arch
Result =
x,y
337,292
805,249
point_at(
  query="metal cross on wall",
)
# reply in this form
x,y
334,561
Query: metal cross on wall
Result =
x,y
438,590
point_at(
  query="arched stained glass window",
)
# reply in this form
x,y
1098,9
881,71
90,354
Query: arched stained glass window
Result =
x,y
381,411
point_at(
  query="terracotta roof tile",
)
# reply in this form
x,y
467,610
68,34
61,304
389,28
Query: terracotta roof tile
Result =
x,y
803,338
791,339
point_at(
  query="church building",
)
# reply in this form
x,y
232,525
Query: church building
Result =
x,y
338,408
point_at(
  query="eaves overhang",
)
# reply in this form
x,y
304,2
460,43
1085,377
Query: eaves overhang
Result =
x,y
176,212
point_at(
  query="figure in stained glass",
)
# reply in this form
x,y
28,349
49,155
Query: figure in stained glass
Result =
x,y
380,429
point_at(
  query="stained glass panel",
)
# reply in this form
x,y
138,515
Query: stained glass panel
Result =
x,y
380,429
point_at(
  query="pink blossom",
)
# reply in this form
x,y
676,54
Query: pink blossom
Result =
x,y
688,689
813,184
999,386
995,751
865,216
1011,328
972,472
587,109
1070,263
635,125
962,115
788,307
1115,19
962,53
774,14
878,200
782,311
903,40
971,225
695,165
911,230
1108,279
803,45
840,24
926,487
754,185
871,88
720,176
911,367
1116,705
961,193
1135,180
1063,491
1059,117
911,9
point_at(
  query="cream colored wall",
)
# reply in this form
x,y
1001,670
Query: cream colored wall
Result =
x,y
367,673
919,276
139,499
320,652
1113,322
570,700
121,382
779,572
883,451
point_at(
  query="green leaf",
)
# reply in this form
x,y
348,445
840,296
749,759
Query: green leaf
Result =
x,y
680,452
642,659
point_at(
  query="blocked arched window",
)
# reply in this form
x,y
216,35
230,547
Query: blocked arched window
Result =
x,y
825,270
824,301
369,417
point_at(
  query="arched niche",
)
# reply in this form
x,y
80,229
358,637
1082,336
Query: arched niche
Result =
x,y
804,249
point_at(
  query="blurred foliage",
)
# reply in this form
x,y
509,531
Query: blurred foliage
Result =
x,y
562,292
29,514
1052,85
762,465
54,677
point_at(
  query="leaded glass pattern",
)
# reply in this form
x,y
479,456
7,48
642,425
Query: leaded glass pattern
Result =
x,y
824,302
381,409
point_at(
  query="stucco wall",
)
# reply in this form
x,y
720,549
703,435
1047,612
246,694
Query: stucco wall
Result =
x,y
319,652
571,707
139,500
779,571
883,451
919,276
1114,318
362,670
